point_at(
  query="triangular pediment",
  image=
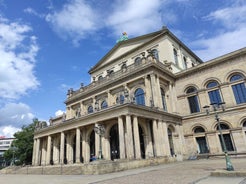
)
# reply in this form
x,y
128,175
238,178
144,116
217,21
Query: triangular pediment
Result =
x,y
122,48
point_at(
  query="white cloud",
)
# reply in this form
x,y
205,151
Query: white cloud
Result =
x,y
231,37
59,112
76,20
136,17
79,19
8,131
18,51
15,115
33,12
230,17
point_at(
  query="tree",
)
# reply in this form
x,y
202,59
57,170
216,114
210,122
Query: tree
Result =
x,y
21,148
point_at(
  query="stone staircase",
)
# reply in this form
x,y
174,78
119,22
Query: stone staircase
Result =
x,y
95,167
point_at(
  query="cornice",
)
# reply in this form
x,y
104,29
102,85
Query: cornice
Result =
x,y
106,114
213,62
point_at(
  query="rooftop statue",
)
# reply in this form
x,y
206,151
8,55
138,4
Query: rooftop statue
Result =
x,y
123,37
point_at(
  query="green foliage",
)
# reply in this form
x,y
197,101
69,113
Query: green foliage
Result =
x,y
22,147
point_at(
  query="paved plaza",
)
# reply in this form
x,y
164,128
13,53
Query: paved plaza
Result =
x,y
187,172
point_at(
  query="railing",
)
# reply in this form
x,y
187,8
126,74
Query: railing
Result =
x,y
116,75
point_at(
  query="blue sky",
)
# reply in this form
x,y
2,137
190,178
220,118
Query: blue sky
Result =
x,y
47,47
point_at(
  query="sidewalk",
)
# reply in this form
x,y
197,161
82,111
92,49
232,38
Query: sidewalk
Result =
x,y
187,172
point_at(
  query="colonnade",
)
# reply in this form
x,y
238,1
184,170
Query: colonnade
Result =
x,y
73,145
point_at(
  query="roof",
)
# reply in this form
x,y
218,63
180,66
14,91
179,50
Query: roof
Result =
x,y
147,38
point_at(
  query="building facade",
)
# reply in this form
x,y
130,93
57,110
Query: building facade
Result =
x,y
146,100
5,144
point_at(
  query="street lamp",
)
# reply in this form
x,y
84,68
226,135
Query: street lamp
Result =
x,y
13,149
216,107
100,130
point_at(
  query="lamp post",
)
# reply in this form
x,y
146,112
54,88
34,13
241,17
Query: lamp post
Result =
x,y
216,107
13,157
100,130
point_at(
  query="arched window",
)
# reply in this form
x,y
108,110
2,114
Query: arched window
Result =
x,y
139,96
223,126
155,54
185,62
163,100
138,61
214,94
175,54
90,109
193,100
104,105
244,123
123,67
199,129
226,136
100,78
120,99
239,89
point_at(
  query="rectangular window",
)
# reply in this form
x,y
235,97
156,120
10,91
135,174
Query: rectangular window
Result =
x,y
214,96
193,103
239,91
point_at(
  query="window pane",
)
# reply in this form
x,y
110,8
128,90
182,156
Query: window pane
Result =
x,y
191,90
104,105
155,53
212,84
90,109
236,77
138,61
214,96
239,91
163,100
139,97
193,103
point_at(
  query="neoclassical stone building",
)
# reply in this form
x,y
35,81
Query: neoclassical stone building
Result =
x,y
147,96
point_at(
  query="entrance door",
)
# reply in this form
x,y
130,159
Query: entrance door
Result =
x,y
142,147
92,146
114,142
202,145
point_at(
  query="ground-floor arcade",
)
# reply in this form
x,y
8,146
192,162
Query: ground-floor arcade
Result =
x,y
130,132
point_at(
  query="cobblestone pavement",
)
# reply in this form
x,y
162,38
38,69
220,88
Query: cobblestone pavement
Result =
x,y
187,172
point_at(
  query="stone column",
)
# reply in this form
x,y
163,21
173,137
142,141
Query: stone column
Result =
x,y
172,98
136,138
44,152
149,142
121,138
37,156
158,93
69,149
154,90
78,149
48,156
97,139
148,91
105,147
129,138
86,147
110,99
156,139
161,137
166,141
56,152
62,148
34,152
